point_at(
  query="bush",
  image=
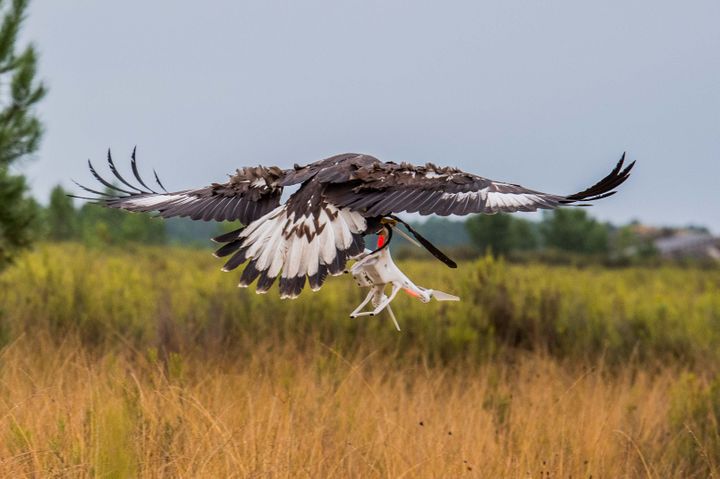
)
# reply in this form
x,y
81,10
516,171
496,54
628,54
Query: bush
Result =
x,y
177,298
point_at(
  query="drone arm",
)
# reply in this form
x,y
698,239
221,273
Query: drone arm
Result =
x,y
363,255
362,262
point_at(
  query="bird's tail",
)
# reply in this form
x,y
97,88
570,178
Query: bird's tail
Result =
x,y
297,249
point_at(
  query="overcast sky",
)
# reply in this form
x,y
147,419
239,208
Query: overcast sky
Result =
x,y
547,94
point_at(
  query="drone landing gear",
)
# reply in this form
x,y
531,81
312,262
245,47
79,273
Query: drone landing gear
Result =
x,y
392,316
372,313
380,301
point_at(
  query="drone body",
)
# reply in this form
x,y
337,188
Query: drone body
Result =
x,y
322,225
377,270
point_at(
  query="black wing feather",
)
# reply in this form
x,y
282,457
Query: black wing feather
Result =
x,y
248,194
133,165
117,174
381,189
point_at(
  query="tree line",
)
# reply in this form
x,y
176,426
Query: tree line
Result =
x,y
94,225
560,236
562,233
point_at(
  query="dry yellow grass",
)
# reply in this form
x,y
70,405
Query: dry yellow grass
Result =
x,y
539,372
71,412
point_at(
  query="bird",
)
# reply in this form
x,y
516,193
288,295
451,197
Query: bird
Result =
x,y
323,224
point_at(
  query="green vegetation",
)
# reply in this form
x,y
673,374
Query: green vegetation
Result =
x,y
573,230
502,234
121,356
148,361
20,131
97,226
61,219
177,297
562,236
443,231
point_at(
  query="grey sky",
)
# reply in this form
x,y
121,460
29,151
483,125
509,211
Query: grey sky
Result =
x,y
543,93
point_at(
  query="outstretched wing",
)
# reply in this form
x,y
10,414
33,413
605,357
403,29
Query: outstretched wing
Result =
x,y
249,194
381,189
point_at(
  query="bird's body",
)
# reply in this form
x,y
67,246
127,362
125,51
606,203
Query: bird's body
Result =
x,y
340,200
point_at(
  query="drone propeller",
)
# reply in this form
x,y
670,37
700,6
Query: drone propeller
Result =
x,y
427,244
440,296
408,237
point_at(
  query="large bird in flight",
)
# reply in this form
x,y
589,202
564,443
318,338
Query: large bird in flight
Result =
x,y
340,200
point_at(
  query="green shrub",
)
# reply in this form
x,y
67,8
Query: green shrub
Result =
x,y
175,299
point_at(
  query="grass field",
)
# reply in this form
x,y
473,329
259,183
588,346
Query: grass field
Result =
x,y
150,363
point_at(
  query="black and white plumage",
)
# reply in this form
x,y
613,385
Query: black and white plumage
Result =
x,y
340,199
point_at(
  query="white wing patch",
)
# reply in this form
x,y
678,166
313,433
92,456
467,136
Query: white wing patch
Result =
x,y
154,200
493,201
466,196
293,247
510,200
432,175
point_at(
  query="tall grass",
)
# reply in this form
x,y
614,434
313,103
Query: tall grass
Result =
x,y
149,362
177,299
70,412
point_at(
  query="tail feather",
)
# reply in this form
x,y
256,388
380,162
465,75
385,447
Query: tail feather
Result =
x,y
236,260
316,280
297,250
228,249
229,236
248,275
264,282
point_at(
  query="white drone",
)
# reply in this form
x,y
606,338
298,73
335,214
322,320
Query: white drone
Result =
x,y
376,269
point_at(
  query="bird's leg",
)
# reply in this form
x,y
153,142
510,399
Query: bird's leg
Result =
x,y
365,301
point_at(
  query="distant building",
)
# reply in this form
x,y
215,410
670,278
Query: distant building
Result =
x,y
689,244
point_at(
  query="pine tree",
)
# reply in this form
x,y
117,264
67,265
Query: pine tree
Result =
x,y
20,130
61,219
